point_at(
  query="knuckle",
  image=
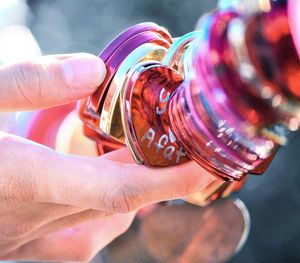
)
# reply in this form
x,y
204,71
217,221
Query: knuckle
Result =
x,y
27,80
124,200
121,203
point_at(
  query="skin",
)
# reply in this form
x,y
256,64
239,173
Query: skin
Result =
x,y
56,207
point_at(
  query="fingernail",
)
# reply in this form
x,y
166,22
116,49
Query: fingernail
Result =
x,y
83,71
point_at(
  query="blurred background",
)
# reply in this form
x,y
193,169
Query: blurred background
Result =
x,y
33,27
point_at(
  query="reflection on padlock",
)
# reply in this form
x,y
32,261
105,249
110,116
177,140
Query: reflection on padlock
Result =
x,y
225,96
58,128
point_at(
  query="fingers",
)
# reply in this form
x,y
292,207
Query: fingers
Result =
x,y
24,219
111,186
49,81
62,222
91,183
27,222
68,221
294,19
81,243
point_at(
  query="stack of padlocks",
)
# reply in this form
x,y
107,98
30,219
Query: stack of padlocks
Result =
x,y
225,96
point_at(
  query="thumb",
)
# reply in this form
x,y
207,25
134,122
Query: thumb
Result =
x,y
49,81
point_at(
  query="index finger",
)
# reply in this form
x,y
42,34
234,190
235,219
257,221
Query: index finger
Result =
x,y
98,183
110,185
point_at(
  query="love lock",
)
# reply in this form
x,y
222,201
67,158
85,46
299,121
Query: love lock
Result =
x,y
113,56
144,108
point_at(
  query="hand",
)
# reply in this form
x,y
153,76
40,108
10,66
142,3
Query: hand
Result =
x,y
57,207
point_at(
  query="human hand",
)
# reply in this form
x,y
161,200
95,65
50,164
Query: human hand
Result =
x,y
57,207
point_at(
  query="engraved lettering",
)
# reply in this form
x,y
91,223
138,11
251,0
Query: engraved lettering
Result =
x,y
159,145
168,152
172,136
149,135
163,100
180,153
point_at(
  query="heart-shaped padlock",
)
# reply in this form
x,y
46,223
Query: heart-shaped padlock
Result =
x,y
113,55
144,107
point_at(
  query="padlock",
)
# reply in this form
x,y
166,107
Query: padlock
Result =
x,y
144,101
110,118
113,55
